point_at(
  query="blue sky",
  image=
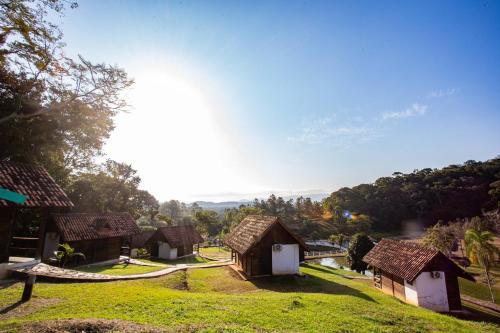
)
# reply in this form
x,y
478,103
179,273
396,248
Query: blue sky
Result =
x,y
234,100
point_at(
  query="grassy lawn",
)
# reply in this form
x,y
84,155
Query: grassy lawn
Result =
x,y
119,269
213,300
480,276
479,289
216,252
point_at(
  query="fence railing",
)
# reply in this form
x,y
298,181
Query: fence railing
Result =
x,y
321,253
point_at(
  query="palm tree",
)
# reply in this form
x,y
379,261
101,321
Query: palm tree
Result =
x,y
479,246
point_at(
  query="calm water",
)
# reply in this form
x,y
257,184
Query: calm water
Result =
x,y
339,263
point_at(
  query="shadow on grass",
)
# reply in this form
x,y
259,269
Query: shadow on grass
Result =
x,y
11,307
307,284
322,269
476,314
184,260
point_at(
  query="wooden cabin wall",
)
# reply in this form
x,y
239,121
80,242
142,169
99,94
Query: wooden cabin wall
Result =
x,y
258,259
184,250
6,223
386,282
399,288
153,249
98,250
453,291
393,285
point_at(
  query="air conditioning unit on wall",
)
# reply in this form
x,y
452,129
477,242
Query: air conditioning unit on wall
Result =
x,y
435,275
277,247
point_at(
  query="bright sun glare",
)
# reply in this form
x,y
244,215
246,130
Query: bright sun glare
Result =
x,y
179,137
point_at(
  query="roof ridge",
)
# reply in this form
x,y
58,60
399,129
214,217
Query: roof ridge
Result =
x,y
252,229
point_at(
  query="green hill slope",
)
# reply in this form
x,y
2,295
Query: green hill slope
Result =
x,y
213,300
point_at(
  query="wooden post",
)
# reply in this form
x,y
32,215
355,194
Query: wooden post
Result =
x,y
41,234
6,226
28,287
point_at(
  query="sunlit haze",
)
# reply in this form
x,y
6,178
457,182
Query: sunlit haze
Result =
x,y
294,97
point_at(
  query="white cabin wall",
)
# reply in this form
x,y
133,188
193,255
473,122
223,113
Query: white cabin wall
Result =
x,y
432,292
51,244
286,261
411,293
173,253
165,251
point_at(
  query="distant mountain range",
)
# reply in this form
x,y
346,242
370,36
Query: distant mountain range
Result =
x,y
220,206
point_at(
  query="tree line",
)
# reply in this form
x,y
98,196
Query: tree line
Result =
x,y
213,224
423,196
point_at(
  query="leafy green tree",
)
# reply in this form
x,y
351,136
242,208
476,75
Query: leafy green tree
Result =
x,y
172,209
359,246
208,221
492,219
114,188
480,248
338,239
233,216
440,237
54,110
494,193
165,220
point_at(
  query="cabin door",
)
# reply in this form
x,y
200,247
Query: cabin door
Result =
x,y
285,259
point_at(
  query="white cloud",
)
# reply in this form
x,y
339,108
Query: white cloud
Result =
x,y
324,130
413,111
352,131
442,93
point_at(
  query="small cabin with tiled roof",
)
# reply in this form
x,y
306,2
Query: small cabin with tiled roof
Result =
x,y
99,236
174,241
263,245
416,274
43,196
139,241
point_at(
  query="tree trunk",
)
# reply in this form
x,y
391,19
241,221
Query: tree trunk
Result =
x,y
489,284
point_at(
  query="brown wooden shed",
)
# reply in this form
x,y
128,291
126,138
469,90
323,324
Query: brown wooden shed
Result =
x,y
140,240
174,241
43,196
263,245
416,274
99,236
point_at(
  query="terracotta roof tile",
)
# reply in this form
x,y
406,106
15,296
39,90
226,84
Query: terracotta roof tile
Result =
x,y
81,226
406,259
179,236
34,182
251,230
140,240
